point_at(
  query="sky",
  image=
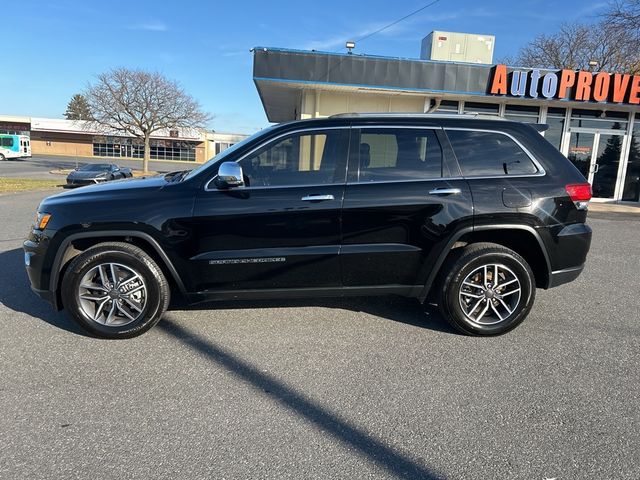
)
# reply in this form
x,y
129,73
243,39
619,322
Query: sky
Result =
x,y
59,46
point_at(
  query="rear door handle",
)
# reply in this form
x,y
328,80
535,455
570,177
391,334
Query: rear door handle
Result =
x,y
445,191
317,198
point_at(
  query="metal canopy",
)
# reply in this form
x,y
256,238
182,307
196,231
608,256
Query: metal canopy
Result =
x,y
281,75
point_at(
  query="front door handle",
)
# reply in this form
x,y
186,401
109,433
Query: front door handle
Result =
x,y
317,198
445,191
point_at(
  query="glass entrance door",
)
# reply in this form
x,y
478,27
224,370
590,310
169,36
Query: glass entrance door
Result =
x,y
597,155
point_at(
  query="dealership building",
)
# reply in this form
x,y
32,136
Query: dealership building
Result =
x,y
592,116
53,136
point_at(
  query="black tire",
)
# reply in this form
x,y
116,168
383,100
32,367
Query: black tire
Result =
x,y
2,157
467,265
131,260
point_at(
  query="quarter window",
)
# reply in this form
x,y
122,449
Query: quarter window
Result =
x,y
489,153
399,154
299,159
7,142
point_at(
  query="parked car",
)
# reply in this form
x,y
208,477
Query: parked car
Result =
x,y
93,173
467,212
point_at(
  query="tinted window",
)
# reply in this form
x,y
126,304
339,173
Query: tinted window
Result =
x,y
399,154
299,159
489,153
7,142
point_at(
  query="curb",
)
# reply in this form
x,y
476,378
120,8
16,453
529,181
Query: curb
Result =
x,y
613,208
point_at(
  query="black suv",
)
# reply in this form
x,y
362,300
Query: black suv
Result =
x,y
467,212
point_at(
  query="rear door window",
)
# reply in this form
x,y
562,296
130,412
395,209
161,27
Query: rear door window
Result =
x,y
482,153
388,154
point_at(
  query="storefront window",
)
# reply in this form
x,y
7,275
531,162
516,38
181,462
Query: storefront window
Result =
x,y
133,148
599,119
483,108
222,146
631,191
522,113
448,106
555,120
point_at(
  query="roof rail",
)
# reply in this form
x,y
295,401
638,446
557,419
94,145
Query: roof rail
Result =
x,y
475,115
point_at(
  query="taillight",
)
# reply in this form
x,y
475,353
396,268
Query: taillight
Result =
x,y
580,194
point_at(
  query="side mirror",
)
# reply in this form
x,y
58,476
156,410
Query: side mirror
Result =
x,y
229,176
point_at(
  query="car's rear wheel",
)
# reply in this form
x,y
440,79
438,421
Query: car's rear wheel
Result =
x,y
486,289
2,157
115,290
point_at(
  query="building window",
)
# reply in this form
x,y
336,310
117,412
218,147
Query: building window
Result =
x,y
599,119
631,192
173,150
448,106
222,146
489,154
555,119
133,148
522,113
483,108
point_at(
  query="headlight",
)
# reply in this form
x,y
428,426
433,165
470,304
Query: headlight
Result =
x,y
42,220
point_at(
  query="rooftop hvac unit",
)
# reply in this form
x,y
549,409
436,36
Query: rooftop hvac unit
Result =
x,y
458,47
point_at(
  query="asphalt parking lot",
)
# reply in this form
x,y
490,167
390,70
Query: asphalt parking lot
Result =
x,y
350,388
39,166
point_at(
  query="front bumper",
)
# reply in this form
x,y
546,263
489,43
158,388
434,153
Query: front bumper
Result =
x,y
47,295
35,249
83,182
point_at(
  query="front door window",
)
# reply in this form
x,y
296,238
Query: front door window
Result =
x,y
299,159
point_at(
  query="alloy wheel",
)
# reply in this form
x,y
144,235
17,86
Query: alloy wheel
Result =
x,y
112,294
490,294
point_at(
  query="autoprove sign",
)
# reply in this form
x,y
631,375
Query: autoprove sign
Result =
x,y
567,85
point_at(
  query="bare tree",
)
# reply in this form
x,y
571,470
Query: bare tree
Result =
x,y
141,103
577,46
624,15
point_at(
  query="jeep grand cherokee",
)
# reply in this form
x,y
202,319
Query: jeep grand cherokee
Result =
x,y
467,212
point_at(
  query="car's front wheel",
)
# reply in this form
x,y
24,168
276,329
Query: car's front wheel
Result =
x,y
486,289
2,158
115,290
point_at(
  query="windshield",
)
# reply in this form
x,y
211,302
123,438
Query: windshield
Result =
x,y
95,168
225,153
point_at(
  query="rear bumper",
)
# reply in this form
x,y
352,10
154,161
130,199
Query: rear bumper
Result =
x,y
570,249
560,277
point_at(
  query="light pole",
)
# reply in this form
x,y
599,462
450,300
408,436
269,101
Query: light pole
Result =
x,y
350,46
